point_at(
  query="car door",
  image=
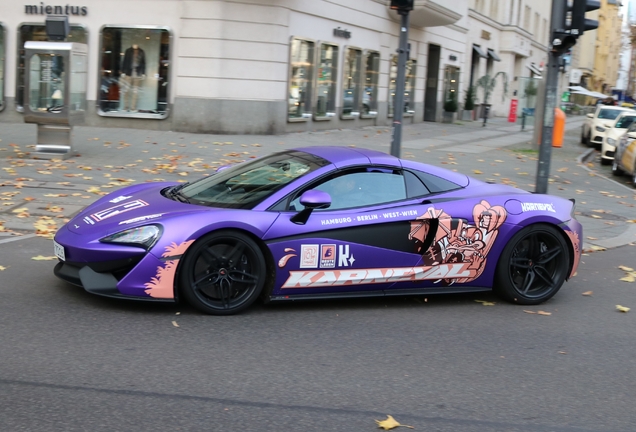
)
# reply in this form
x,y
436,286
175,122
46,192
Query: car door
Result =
x,y
346,247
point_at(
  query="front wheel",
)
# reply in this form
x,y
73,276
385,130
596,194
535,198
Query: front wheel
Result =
x,y
223,273
532,266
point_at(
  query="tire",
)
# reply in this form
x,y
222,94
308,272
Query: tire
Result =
x,y
582,138
588,139
532,266
223,273
605,161
616,169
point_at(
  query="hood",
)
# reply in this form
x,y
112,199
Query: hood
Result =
x,y
128,207
615,133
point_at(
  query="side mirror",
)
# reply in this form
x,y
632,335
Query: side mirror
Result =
x,y
311,199
590,115
315,199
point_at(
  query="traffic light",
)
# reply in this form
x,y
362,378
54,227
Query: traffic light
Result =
x,y
402,5
579,8
572,23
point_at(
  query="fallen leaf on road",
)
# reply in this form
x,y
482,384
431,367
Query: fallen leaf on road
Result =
x,y
587,293
622,308
628,278
529,311
485,303
625,268
544,313
2,268
44,258
390,423
477,172
174,323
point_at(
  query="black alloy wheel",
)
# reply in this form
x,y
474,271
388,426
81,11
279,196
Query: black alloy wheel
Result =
x,y
223,273
616,170
533,265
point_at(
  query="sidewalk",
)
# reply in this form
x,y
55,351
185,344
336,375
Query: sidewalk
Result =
x,y
40,194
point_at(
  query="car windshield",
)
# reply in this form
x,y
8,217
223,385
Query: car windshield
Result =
x,y
625,122
246,184
608,114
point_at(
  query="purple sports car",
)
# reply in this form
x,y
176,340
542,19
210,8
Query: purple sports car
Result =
x,y
320,222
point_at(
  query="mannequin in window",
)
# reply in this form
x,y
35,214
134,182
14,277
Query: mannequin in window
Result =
x,y
133,71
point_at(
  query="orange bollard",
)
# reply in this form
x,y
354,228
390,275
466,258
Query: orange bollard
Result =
x,y
559,128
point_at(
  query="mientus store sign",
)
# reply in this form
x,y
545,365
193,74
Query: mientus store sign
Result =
x,y
43,9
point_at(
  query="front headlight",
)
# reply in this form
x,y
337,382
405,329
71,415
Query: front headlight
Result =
x,y
144,236
611,141
599,129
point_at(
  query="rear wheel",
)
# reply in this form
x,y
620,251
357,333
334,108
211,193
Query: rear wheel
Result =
x,y
223,273
532,266
588,139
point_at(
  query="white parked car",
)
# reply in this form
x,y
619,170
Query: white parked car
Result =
x,y
613,132
593,128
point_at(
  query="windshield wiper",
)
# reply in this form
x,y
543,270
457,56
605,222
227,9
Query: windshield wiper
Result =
x,y
175,193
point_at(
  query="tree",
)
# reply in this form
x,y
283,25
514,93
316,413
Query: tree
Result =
x,y
487,84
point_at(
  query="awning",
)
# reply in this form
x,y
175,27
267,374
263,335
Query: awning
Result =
x,y
535,70
577,89
480,52
586,92
493,55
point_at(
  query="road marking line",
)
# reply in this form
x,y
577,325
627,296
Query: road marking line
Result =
x,y
23,237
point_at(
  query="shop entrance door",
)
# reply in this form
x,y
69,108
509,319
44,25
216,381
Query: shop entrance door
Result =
x,y
432,75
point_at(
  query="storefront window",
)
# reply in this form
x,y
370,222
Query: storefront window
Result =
x,y
451,84
46,83
409,86
1,67
134,72
37,32
371,74
326,81
351,92
302,70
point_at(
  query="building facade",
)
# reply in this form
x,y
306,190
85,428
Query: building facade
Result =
x,y
276,66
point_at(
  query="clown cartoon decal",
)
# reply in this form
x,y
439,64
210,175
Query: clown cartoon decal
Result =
x,y
457,241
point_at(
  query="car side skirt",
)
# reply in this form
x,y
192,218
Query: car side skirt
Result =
x,y
379,293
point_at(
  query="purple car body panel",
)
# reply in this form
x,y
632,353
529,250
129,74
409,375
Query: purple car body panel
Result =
x,y
444,242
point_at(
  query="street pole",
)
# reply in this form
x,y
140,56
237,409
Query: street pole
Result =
x,y
551,84
398,102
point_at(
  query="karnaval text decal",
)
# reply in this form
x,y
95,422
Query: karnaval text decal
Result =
x,y
162,285
327,278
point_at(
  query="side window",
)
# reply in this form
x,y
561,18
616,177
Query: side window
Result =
x,y
359,189
433,183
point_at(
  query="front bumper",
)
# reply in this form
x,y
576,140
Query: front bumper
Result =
x,y
114,270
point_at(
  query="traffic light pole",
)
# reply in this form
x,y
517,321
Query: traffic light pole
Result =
x,y
551,88
398,102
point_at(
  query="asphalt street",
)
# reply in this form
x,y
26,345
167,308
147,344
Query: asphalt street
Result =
x,y
71,361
